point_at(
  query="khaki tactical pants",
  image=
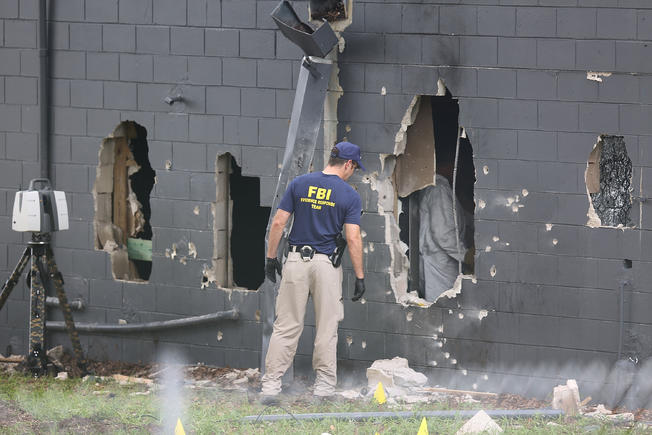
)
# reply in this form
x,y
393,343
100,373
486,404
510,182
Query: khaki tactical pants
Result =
x,y
320,279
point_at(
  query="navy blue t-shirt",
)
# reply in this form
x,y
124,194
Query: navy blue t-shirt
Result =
x,y
321,204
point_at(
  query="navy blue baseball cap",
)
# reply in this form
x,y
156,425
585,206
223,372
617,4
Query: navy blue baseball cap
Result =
x,y
348,151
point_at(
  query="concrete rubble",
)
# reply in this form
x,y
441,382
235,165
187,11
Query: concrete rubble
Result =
x,y
567,397
480,423
394,372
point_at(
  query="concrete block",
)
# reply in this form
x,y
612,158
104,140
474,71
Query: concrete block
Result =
x,y
20,34
190,157
258,102
85,150
69,65
9,61
135,11
60,94
184,217
29,119
498,83
214,14
105,11
419,79
274,74
575,147
9,9
576,23
241,131
223,100
380,18
239,72
633,57
361,107
222,42
571,209
635,119
273,132
20,90
29,63
257,44
537,268
478,50
206,128
515,174
150,97
170,69
559,116
644,31
239,14
202,186
197,13
68,121
102,66
458,20
72,10
478,112
556,53
187,41
171,126
619,89
263,11
578,272
84,36
119,37
536,21
537,145
378,76
205,71
500,21
574,86
598,55
616,23
419,19
136,67
153,39
174,185
85,93
259,161
172,12
119,95
361,48
520,114
102,122
404,49
558,177
598,117
22,146
540,85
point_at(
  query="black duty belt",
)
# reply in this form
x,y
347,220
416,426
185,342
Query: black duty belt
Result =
x,y
306,251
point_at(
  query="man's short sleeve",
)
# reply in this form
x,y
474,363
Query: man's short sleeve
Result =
x,y
287,202
354,210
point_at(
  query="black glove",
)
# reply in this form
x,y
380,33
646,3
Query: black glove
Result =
x,y
271,267
359,289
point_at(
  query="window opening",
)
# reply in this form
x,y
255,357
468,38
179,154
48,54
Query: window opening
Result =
x,y
123,184
426,217
239,229
608,180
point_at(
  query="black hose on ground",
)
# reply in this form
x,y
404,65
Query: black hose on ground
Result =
x,y
233,314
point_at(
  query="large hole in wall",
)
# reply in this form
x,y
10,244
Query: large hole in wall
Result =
x,y
434,241
608,179
123,183
239,227
329,10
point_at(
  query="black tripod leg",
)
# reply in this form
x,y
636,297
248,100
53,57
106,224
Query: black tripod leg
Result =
x,y
36,357
57,279
9,285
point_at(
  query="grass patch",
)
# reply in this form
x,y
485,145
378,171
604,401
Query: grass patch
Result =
x,y
45,405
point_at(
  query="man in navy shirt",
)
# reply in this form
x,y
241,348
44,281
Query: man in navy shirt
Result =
x,y
322,203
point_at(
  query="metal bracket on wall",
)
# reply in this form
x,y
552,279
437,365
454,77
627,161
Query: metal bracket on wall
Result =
x,y
306,118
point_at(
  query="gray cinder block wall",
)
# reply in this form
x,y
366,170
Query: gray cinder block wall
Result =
x,y
519,69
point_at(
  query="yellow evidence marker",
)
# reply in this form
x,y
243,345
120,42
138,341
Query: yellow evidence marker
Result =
x,y
379,395
423,429
178,430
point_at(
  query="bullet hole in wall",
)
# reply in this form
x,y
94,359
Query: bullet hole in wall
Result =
x,y
436,121
124,181
609,183
239,229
